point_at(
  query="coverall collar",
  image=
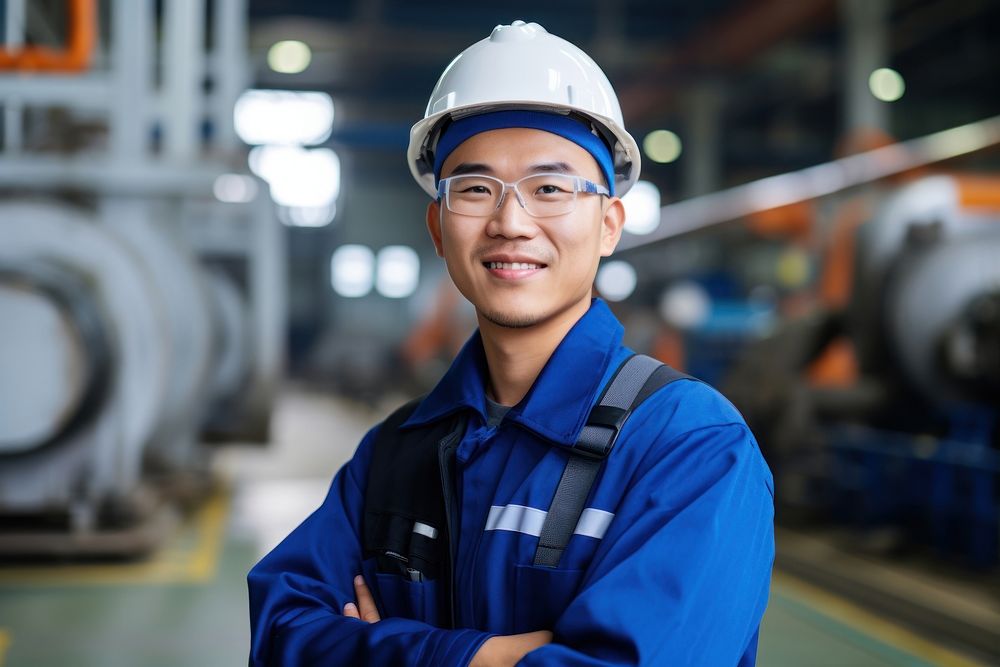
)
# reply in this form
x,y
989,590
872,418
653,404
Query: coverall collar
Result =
x,y
558,403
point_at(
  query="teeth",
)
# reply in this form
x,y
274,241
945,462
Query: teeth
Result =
x,y
511,265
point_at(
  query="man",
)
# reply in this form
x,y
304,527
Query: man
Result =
x,y
524,152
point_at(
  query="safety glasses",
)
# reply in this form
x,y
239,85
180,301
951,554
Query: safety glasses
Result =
x,y
541,195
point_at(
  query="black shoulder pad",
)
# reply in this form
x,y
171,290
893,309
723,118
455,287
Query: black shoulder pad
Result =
x,y
404,487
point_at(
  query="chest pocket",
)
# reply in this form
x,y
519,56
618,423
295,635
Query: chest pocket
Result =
x,y
396,596
401,598
541,595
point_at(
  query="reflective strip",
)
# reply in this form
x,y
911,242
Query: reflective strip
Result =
x,y
593,523
517,518
528,520
425,530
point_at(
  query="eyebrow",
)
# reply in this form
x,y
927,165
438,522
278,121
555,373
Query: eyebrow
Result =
x,y
471,168
545,167
549,167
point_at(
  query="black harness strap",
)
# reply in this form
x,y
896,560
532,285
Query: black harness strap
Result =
x,y
637,378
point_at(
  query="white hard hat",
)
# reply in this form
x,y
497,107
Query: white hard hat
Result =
x,y
522,66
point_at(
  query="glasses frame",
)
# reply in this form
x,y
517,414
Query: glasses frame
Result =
x,y
580,185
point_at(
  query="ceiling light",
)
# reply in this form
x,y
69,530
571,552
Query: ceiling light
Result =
x,y
886,84
397,272
289,56
616,280
662,146
288,117
352,270
642,208
299,177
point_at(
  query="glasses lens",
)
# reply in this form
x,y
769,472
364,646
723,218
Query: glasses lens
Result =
x,y
473,195
548,194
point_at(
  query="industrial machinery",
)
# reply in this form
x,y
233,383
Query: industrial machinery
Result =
x,y
140,311
906,442
927,291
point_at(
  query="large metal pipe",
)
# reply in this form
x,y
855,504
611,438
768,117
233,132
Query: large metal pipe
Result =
x,y
814,182
183,74
132,39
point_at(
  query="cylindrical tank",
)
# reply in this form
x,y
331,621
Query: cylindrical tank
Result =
x,y
54,351
923,264
188,330
102,457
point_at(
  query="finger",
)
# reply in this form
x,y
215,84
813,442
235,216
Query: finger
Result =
x,y
351,610
366,603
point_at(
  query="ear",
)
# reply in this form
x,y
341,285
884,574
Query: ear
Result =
x,y
434,225
612,225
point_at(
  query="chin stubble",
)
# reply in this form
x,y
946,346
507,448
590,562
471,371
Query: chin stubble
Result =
x,y
513,321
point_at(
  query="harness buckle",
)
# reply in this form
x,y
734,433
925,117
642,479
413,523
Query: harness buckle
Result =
x,y
607,417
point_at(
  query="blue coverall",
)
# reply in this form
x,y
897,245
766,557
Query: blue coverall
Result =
x,y
670,563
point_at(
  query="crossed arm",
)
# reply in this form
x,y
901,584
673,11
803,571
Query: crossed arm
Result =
x,y
496,651
699,603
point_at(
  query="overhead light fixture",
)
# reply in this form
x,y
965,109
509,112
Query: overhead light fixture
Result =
x,y
303,118
662,146
886,84
642,208
352,270
299,177
289,56
616,280
397,271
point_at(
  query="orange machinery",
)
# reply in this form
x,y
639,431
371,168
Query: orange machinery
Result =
x,y
75,56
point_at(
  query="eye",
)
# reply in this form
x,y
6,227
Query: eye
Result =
x,y
552,189
472,186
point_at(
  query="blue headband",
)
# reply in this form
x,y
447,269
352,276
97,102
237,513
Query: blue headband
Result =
x,y
564,126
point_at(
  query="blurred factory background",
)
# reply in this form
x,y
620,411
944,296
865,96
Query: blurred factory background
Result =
x,y
215,276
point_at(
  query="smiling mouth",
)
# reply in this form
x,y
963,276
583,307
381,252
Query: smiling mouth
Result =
x,y
513,266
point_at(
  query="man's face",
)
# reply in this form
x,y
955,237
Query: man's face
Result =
x,y
563,251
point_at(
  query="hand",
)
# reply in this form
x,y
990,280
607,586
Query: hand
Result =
x,y
502,650
365,609
506,650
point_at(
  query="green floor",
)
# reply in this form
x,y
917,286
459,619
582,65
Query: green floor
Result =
x,y
804,626
188,607
185,607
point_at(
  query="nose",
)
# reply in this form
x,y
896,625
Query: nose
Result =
x,y
511,219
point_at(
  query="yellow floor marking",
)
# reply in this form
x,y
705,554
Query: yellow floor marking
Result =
x,y
211,528
4,645
189,557
867,623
